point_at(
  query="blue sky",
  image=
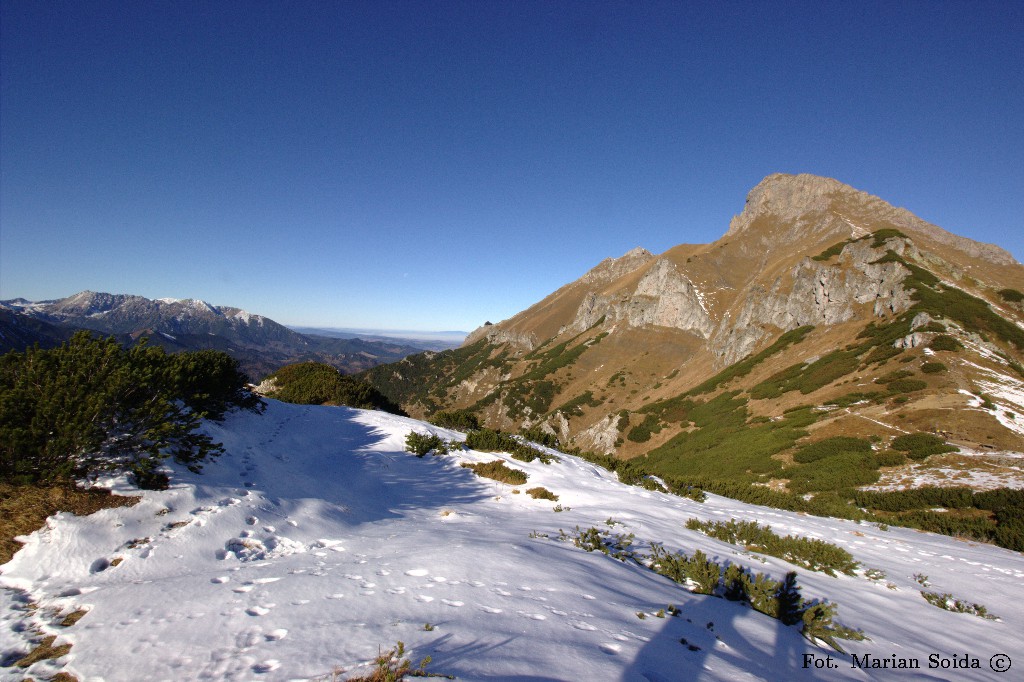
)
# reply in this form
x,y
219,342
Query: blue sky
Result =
x,y
432,165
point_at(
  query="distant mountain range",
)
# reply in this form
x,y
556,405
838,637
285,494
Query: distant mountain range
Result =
x,y
260,344
442,340
822,312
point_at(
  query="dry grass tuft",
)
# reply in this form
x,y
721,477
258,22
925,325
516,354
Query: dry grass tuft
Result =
x,y
24,508
542,494
43,651
499,472
73,618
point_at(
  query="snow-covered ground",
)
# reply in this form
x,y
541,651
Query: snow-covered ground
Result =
x,y
316,541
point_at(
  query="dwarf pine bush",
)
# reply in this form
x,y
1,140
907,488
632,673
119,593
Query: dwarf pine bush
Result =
x,y
811,553
421,444
92,405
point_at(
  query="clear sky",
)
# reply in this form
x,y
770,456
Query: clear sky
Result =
x,y
432,165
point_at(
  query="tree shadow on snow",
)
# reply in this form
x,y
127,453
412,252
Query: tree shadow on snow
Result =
x,y
713,637
329,462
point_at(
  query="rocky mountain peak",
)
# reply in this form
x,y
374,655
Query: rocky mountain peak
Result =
x,y
783,210
612,268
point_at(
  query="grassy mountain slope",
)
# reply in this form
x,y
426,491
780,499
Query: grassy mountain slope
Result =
x,y
699,360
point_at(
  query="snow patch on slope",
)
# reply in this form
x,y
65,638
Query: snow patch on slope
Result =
x,y
315,540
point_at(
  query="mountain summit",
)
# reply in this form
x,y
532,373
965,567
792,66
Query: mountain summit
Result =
x,y
818,295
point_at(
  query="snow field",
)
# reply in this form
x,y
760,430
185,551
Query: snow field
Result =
x,y
316,541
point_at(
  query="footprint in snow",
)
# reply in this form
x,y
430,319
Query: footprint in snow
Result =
x,y
276,635
588,596
242,589
220,579
501,592
252,520
396,590
452,602
417,572
581,625
532,616
383,571
609,648
266,666
259,610
426,599
490,609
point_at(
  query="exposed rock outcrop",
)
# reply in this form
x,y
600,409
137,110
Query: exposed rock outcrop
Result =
x,y
818,294
663,297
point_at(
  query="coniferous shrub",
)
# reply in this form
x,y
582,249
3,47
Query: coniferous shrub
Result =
x,y
92,406
317,383
945,342
790,603
921,445
736,583
420,444
1011,295
487,440
830,447
933,367
459,420
704,573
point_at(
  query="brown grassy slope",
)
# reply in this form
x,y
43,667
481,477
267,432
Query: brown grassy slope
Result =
x,y
24,508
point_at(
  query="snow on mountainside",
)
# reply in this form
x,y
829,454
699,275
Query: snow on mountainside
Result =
x,y
316,540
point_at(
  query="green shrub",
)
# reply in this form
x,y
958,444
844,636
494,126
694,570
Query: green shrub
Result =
x,y
906,386
746,365
810,553
945,342
933,367
487,440
537,435
1011,295
808,377
92,406
316,383
498,471
894,376
831,251
921,445
880,236
851,398
830,447
459,420
950,603
575,406
845,470
641,433
421,444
